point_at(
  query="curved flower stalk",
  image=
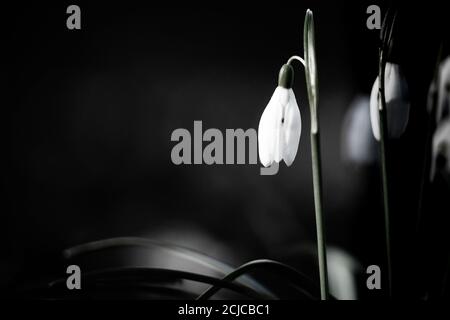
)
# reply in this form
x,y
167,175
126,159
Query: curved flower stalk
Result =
x,y
397,102
280,129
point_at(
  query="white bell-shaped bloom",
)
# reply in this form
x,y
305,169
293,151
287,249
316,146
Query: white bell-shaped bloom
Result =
x,y
343,270
397,102
443,103
358,146
279,128
441,148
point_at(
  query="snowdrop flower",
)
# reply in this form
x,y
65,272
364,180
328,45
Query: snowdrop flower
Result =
x,y
358,145
343,270
280,125
443,103
441,148
397,102
280,128
438,103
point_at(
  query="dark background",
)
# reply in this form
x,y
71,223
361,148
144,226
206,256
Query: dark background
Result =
x,y
91,112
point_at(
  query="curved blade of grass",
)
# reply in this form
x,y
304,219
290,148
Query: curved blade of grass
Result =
x,y
287,271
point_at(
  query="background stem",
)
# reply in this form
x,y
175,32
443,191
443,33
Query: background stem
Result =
x,y
317,185
384,175
386,201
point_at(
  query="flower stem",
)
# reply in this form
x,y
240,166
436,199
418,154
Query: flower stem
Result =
x,y
385,188
385,49
313,94
317,185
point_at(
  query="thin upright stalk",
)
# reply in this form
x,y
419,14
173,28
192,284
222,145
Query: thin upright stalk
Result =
x,y
385,188
317,185
386,47
313,95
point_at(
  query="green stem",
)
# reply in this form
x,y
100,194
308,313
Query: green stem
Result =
x,y
385,49
317,185
384,174
386,202
312,86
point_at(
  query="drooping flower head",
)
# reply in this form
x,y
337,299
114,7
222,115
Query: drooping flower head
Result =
x,y
443,103
441,149
397,102
280,125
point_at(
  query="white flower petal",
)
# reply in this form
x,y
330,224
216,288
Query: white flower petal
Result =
x,y
374,115
441,147
397,102
358,145
269,129
279,128
443,104
292,129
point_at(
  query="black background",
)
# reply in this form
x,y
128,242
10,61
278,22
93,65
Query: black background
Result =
x,y
91,111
